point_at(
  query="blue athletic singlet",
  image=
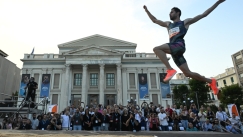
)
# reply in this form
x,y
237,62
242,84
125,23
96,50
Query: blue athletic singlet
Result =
x,y
177,31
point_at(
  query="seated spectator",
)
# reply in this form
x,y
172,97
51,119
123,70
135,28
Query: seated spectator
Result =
x,y
191,127
217,126
43,123
24,125
207,126
231,128
55,124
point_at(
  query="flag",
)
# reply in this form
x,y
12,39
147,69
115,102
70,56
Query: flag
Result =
x,y
32,51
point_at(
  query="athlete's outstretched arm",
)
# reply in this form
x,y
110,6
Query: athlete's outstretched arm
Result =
x,y
197,18
159,22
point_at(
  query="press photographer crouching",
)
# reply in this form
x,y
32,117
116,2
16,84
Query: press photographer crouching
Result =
x,y
32,86
55,124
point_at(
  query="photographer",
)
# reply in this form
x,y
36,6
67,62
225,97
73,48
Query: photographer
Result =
x,y
55,124
32,86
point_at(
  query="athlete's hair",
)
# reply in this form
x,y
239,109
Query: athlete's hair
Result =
x,y
177,10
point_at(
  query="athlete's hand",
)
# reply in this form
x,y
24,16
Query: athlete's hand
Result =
x,y
220,1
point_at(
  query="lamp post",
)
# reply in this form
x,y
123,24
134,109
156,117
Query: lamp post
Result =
x,y
197,100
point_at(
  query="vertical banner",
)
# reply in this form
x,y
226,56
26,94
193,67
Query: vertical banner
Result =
x,y
164,87
233,109
45,85
24,81
143,86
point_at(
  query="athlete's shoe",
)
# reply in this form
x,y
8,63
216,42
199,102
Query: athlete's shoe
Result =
x,y
214,87
170,74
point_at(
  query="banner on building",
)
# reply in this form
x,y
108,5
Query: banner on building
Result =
x,y
143,86
233,109
24,81
52,108
45,85
164,87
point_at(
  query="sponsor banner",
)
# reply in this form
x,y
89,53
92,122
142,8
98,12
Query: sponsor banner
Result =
x,y
24,81
143,86
45,85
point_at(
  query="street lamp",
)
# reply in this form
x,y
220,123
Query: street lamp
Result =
x,y
197,100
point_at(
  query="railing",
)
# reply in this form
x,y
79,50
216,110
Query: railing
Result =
x,y
43,56
140,55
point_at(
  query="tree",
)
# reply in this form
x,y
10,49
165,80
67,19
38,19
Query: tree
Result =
x,y
178,94
201,88
231,95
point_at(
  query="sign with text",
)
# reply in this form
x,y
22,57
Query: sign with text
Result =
x,y
45,85
143,86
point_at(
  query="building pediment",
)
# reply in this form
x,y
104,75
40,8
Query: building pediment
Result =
x,y
93,50
96,40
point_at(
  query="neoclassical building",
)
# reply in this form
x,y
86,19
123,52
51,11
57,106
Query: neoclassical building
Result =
x,y
96,70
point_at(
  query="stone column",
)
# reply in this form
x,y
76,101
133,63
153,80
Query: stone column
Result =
x,y
84,84
124,86
65,99
119,84
102,84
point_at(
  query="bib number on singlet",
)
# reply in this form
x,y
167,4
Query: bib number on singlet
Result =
x,y
174,31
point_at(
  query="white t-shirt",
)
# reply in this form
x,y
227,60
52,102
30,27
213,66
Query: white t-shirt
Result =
x,y
202,116
65,121
162,119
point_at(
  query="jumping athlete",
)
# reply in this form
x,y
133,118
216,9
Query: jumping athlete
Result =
x,y
177,30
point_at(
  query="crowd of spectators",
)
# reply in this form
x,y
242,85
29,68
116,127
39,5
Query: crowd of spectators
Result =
x,y
130,118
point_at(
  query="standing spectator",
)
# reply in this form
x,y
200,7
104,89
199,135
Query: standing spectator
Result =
x,y
221,116
65,121
194,109
184,119
163,119
34,121
132,123
202,116
176,121
210,114
96,120
87,120
105,118
116,120
77,120
168,109
125,116
154,122
194,120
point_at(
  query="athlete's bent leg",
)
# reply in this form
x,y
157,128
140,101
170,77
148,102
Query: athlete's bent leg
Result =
x,y
184,68
161,51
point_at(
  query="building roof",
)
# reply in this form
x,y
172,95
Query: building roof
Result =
x,y
3,53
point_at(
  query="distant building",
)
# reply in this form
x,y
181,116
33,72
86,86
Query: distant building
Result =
x,y
180,76
238,65
9,76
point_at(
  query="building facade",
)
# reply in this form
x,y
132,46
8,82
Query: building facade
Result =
x,y
9,77
96,70
238,65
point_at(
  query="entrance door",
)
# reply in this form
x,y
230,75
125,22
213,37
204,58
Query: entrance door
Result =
x,y
76,100
93,100
110,99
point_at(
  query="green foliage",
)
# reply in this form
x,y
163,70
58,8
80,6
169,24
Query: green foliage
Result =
x,y
178,94
231,95
201,88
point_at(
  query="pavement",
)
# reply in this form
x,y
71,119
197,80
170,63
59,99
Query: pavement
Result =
x,y
40,133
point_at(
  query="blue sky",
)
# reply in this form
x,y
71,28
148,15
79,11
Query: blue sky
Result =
x,y
44,24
